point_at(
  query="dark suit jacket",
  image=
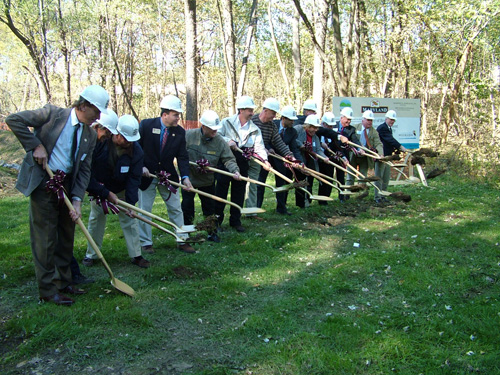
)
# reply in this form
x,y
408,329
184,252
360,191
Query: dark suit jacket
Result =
x,y
390,143
48,123
124,174
290,139
332,138
175,148
351,134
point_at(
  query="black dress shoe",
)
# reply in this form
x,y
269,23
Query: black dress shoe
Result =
x,y
73,290
239,228
58,299
81,279
214,238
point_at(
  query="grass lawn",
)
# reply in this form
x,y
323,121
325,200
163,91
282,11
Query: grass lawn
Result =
x,y
292,295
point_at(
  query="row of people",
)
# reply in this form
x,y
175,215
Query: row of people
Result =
x,y
128,158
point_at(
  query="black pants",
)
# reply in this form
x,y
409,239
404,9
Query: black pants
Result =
x,y
238,189
325,189
207,204
341,180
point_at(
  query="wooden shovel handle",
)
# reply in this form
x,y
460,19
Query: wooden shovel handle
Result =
x,y
272,170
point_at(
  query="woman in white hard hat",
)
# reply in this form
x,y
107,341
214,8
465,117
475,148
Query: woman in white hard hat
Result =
x,y
308,142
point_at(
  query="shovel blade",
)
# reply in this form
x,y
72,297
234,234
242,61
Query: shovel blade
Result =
x,y
187,229
320,198
252,210
122,287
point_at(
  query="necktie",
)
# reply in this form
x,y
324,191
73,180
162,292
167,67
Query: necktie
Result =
x,y
74,144
366,139
164,139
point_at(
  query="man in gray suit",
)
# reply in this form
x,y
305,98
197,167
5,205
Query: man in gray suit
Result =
x,y
63,141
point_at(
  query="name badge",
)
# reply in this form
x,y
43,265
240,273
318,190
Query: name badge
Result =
x,y
314,144
156,131
211,152
83,157
124,169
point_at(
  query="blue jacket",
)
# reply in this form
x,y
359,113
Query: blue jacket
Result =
x,y
390,143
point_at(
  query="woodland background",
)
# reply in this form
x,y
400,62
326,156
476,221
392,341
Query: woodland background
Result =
x,y
209,52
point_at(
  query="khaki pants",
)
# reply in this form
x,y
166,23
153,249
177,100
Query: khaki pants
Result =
x,y
97,224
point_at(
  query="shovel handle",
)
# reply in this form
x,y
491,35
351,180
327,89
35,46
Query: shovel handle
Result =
x,y
370,153
214,197
226,173
153,224
272,170
149,214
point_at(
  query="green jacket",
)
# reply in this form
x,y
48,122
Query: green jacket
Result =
x,y
214,150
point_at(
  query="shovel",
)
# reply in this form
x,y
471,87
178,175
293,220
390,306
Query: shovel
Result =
x,y
177,238
252,181
244,211
183,229
355,175
317,175
119,285
313,197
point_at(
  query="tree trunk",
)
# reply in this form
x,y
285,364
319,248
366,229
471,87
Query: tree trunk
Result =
x,y
38,57
119,74
66,55
297,77
228,48
343,84
252,24
320,50
319,65
191,61
278,55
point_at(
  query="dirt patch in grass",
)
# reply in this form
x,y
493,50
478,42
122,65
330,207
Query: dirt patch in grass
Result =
x,y
183,272
8,178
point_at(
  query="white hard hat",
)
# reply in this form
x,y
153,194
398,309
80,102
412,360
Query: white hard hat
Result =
x,y
391,114
109,120
347,112
289,112
272,104
128,127
368,114
328,118
211,119
313,120
97,96
245,102
171,102
310,104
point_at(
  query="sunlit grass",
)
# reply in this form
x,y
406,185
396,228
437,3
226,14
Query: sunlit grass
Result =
x,y
354,288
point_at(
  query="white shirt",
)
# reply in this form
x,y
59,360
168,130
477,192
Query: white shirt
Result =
x,y
60,157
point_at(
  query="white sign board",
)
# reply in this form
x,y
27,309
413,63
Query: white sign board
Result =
x,y
406,129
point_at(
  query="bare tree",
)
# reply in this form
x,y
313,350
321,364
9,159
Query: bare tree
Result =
x,y
191,61
297,76
252,24
37,54
228,48
278,54
321,18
